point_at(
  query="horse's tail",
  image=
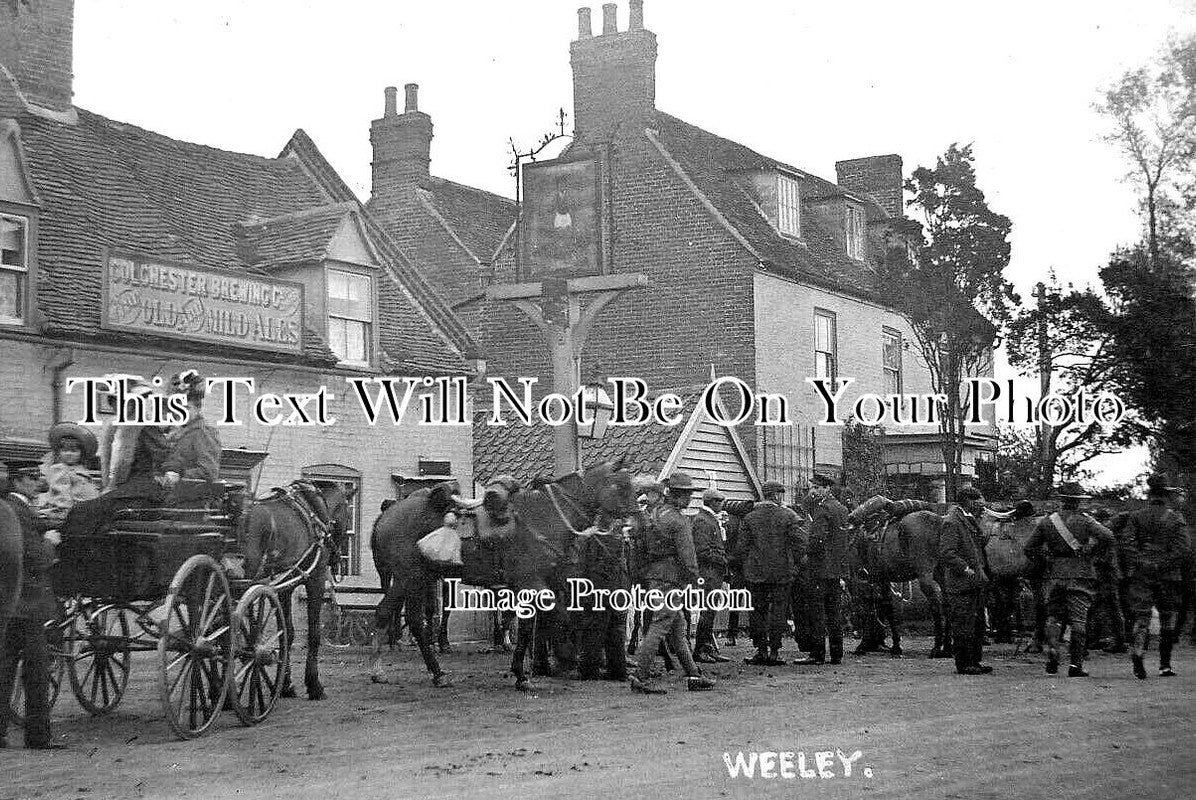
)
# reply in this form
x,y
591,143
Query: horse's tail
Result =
x,y
385,576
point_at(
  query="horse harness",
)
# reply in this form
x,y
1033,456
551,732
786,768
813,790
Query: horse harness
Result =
x,y
298,497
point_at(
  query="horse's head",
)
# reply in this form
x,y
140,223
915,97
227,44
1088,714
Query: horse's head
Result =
x,y
607,486
339,502
496,497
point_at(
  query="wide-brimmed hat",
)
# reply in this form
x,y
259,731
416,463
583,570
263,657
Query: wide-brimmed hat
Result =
x,y
1072,491
87,439
772,487
1157,485
643,482
679,482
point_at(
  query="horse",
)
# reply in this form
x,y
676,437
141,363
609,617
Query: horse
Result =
x,y
534,547
1006,536
11,547
289,531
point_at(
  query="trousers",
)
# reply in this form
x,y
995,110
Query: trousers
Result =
x,y
770,602
26,638
966,612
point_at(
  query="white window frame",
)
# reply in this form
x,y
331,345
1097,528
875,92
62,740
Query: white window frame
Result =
x,y
893,334
788,206
833,352
854,228
368,334
22,271
319,474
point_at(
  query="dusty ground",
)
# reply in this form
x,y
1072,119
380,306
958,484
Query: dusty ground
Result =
x,y
923,731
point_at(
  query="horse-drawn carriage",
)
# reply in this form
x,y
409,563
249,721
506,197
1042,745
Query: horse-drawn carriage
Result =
x,y
157,580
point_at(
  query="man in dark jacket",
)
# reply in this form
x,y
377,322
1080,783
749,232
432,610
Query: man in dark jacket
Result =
x,y
770,548
25,634
1159,548
712,568
1070,544
827,566
965,579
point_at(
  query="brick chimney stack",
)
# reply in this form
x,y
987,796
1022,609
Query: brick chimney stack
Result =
x,y
36,50
402,149
614,74
879,176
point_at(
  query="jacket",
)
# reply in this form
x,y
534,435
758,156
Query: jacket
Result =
x,y
36,600
1158,543
828,537
708,543
771,544
961,545
68,484
669,544
194,450
1046,544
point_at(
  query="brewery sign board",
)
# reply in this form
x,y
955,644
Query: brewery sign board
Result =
x,y
562,230
160,298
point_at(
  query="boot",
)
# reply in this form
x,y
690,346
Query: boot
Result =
x,y
1076,670
1166,639
1139,667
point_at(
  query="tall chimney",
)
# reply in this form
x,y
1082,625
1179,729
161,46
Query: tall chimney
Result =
x,y
636,22
402,150
879,176
614,77
585,28
36,49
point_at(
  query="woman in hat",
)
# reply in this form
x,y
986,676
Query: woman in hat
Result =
x,y
194,446
72,448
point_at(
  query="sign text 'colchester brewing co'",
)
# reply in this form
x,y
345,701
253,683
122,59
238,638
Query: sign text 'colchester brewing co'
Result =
x,y
144,296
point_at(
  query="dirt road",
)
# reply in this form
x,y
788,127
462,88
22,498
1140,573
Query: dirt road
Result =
x,y
921,731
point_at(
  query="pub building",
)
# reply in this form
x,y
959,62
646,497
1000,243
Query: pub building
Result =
x,y
125,251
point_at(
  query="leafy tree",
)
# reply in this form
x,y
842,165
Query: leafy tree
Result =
x,y
953,290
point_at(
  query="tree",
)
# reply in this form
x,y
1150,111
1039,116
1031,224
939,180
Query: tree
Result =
x,y
1066,340
953,290
1153,110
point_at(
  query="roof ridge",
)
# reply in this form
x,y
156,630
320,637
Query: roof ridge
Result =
x,y
495,195
428,201
343,206
100,119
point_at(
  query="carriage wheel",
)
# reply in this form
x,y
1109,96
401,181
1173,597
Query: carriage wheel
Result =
x,y
195,646
261,653
98,657
58,661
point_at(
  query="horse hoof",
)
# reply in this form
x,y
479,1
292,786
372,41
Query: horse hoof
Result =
x,y
288,691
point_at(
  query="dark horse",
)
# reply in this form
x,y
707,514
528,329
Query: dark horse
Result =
x,y
294,535
534,549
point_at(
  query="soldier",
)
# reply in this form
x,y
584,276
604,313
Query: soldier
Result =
x,y
965,579
827,565
194,447
1159,546
770,549
712,567
671,564
25,634
1070,544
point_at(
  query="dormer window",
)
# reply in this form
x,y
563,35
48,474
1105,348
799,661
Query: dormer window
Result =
x,y
788,206
854,226
350,315
14,269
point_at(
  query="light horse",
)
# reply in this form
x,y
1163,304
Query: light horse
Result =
x,y
291,537
534,548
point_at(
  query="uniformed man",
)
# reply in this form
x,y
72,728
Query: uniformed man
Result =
x,y
771,547
827,566
1070,545
965,579
671,565
712,568
194,447
25,634
1159,546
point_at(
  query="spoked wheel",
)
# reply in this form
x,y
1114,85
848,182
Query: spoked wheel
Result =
x,y
260,654
98,657
58,661
195,646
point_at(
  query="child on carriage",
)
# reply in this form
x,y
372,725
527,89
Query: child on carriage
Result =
x,y
65,468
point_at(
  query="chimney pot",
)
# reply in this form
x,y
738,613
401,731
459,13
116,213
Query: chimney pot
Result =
x,y
637,16
412,102
609,11
391,101
585,28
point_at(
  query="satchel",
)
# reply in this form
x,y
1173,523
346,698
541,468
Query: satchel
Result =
x,y
442,546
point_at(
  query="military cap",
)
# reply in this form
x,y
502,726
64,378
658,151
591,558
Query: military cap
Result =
x,y
772,487
679,482
822,479
1072,491
64,430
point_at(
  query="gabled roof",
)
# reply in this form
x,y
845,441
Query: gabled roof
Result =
x,y
298,238
714,165
479,219
107,184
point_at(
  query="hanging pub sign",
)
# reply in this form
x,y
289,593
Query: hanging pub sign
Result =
x,y
160,298
562,221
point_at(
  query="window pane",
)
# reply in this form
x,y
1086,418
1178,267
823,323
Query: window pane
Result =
x,y
11,295
336,337
822,365
349,296
12,242
788,206
355,341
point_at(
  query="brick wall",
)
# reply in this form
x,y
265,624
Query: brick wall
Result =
x,y
36,47
879,176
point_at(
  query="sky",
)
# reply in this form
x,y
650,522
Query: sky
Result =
x,y
805,83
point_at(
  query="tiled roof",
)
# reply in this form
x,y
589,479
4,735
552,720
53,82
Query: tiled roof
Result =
x,y
297,238
713,162
107,184
479,219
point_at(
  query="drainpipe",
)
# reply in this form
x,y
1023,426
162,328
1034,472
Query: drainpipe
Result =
x,y
63,358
